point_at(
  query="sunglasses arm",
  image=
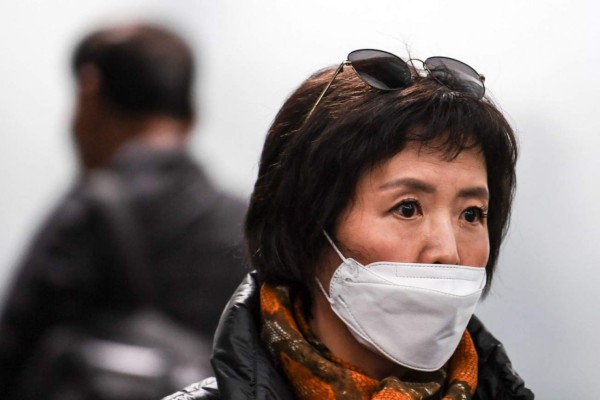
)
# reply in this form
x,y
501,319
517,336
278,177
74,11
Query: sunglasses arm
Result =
x,y
337,71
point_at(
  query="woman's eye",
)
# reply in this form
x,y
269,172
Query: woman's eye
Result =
x,y
408,208
474,214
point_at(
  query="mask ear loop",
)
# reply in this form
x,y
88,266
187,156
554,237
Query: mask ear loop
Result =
x,y
323,290
339,253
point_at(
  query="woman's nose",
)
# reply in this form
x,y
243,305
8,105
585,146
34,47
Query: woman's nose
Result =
x,y
440,245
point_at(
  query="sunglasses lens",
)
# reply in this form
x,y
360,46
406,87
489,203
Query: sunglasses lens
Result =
x,y
456,75
380,69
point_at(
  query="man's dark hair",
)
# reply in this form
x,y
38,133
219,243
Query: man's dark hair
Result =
x,y
144,69
308,171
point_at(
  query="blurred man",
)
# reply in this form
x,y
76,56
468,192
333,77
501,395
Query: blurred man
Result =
x,y
132,117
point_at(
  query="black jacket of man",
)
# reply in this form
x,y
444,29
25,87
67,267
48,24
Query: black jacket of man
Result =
x,y
192,238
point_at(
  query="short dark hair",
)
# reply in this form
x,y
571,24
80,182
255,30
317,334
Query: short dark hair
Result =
x,y
145,69
308,171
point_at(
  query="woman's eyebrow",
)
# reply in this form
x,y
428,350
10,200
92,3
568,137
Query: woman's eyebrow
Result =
x,y
480,192
410,183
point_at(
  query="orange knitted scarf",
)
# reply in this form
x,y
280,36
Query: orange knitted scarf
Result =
x,y
315,373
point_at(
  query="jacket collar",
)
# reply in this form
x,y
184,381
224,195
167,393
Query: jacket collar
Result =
x,y
242,365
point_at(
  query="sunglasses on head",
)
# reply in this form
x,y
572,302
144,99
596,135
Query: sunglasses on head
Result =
x,y
387,72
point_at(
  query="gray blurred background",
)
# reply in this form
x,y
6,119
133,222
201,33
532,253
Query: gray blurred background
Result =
x,y
541,60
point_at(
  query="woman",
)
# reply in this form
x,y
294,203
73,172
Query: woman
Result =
x,y
383,195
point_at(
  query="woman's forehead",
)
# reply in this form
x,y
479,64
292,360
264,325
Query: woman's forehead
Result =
x,y
420,163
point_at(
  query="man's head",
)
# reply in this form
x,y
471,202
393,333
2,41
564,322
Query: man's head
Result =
x,y
131,79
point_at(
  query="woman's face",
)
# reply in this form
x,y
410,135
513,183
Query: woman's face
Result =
x,y
418,207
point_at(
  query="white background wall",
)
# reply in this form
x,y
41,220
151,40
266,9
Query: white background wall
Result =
x,y
541,61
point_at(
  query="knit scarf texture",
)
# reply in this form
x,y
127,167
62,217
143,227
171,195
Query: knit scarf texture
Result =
x,y
315,373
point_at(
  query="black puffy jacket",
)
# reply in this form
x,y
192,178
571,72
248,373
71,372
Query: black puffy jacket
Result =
x,y
244,371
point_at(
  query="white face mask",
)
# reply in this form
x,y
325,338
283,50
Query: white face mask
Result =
x,y
412,314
